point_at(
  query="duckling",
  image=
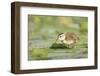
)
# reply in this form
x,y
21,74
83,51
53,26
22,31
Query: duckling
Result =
x,y
68,38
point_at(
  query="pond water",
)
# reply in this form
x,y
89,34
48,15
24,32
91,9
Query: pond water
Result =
x,y
40,50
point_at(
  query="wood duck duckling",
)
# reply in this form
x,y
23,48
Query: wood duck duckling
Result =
x,y
68,38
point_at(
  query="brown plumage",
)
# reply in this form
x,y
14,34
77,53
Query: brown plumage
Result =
x,y
71,36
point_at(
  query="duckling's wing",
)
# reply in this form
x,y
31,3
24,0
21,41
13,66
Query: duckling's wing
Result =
x,y
71,35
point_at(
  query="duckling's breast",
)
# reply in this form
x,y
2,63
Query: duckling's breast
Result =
x,y
68,42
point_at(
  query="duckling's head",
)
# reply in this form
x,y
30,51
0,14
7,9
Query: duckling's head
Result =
x,y
61,36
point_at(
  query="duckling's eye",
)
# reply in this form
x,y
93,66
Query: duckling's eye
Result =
x,y
60,36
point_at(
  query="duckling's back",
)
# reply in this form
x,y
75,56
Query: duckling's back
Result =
x,y
71,36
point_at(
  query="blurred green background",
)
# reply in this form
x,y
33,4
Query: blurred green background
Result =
x,y
42,33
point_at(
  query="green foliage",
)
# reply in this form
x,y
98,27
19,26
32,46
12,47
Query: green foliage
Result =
x,y
46,25
55,46
39,53
83,27
61,46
